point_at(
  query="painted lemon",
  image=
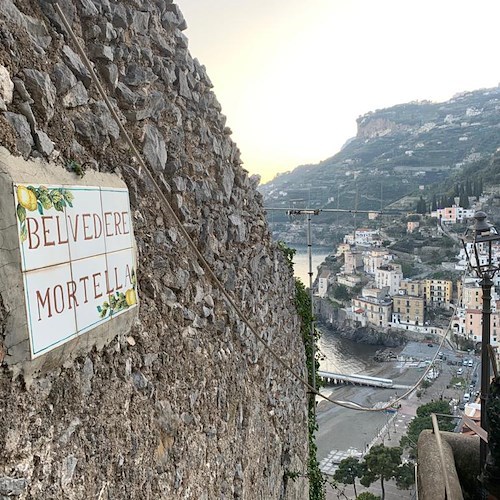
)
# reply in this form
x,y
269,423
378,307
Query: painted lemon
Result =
x,y
26,198
131,297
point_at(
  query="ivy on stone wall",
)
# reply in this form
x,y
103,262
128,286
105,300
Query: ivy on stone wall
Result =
x,y
303,305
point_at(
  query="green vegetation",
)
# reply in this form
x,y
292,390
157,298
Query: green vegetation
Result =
x,y
422,146
349,469
366,495
383,463
426,384
457,381
341,292
380,463
423,421
462,343
303,304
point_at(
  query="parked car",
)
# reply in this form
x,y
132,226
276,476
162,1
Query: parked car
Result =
x,y
460,371
471,363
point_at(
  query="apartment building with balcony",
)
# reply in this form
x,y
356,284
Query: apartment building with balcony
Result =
x,y
438,292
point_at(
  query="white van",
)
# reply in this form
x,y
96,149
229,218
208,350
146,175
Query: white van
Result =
x,y
466,397
471,363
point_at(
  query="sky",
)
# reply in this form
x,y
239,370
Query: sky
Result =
x,y
293,76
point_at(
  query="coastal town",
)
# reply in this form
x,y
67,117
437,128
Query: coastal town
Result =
x,y
423,315
364,283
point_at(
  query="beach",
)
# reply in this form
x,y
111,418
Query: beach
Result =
x,y
344,432
343,429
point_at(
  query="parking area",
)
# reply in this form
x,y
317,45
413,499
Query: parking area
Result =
x,y
423,351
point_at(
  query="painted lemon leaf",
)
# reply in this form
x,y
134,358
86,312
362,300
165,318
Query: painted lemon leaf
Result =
x,y
58,205
21,213
56,196
24,233
44,199
40,208
68,197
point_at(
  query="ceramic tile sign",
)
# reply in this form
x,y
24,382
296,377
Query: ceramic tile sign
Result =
x,y
77,259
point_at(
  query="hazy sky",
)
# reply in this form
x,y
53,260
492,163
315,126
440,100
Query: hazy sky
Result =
x,y
292,76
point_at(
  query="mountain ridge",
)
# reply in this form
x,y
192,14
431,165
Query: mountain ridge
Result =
x,y
397,151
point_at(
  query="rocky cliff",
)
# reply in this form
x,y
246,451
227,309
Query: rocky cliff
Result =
x,y
187,404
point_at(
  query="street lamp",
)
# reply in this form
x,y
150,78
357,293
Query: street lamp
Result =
x,y
483,236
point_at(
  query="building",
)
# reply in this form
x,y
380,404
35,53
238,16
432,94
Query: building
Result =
x,y
453,214
373,307
390,276
438,292
349,280
352,261
473,326
482,254
411,226
408,310
342,248
375,258
468,319
363,237
323,282
415,288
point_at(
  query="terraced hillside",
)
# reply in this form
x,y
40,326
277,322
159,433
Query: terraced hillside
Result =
x,y
405,149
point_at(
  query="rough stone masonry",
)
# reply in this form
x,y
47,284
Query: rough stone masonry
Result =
x,y
185,403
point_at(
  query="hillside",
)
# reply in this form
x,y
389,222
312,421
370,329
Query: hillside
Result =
x,y
397,151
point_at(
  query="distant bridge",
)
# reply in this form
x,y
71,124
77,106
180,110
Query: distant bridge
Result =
x,y
340,378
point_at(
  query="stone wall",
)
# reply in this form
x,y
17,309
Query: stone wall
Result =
x,y
186,404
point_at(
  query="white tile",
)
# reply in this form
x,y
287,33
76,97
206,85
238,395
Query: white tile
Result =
x,y
91,291
51,313
116,219
85,223
45,241
121,271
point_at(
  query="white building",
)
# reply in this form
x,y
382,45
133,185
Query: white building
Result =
x,y
375,258
363,237
323,282
390,276
453,214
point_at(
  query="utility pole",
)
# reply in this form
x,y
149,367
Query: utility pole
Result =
x,y
310,212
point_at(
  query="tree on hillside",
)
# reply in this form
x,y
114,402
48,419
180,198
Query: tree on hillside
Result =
x,y
349,469
340,292
464,201
381,463
434,203
421,206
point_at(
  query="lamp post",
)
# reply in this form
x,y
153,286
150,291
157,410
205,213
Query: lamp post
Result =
x,y
481,262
